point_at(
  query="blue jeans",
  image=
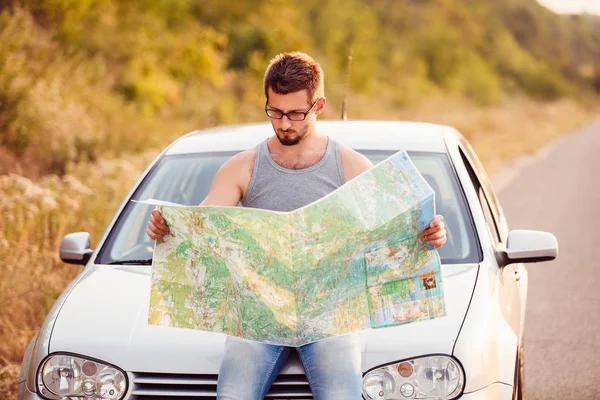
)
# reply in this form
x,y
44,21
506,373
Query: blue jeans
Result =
x,y
332,367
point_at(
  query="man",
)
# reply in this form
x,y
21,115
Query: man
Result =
x,y
291,169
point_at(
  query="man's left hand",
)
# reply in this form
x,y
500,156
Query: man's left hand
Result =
x,y
436,233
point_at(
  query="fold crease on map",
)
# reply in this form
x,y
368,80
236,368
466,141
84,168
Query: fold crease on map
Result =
x,y
352,260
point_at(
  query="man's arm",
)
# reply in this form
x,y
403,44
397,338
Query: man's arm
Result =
x,y
228,187
436,233
353,163
231,181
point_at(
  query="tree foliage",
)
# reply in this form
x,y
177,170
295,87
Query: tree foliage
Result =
x,y
89,76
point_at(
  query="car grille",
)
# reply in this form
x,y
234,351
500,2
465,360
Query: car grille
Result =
x,y
156,386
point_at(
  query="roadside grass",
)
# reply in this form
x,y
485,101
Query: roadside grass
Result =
x,y
35,215
518,127
8,381
515,126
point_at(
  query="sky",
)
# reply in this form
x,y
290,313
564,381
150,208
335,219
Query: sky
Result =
x,y
573,6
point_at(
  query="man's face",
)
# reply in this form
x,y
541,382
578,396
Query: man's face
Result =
x,y
290,132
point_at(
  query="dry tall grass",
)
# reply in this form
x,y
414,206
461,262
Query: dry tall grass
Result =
x,y
519,126
34,216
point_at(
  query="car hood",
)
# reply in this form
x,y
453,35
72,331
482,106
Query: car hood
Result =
x,y
105,317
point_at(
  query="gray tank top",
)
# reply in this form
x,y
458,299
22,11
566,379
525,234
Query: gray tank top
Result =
x,y
275,188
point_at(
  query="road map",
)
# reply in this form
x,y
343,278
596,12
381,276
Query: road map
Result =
x,y
355,259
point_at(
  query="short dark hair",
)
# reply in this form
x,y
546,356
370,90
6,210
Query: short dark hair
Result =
x,y
292,72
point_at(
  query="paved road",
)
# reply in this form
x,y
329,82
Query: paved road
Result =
x,y
559,191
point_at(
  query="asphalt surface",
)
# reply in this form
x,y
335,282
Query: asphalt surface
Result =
x,y
558,191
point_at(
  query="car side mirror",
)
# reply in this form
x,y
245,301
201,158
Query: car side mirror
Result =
x,y
75,248
528,247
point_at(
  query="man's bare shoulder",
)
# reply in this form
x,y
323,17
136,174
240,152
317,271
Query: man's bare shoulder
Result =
x,y
231,181
353,162
241,163
242,158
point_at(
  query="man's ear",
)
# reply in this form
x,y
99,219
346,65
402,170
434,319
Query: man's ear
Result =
x,y
320,105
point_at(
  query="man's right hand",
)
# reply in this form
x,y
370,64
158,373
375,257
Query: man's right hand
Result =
x,y
156,226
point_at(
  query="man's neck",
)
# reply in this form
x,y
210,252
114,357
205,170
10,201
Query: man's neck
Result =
x,y
314,142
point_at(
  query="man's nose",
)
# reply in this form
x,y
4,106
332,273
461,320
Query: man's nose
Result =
x,y
285,122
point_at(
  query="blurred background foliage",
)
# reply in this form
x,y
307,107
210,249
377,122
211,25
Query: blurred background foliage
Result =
x,y
80,78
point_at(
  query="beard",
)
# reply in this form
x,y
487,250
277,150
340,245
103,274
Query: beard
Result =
x,y
290,137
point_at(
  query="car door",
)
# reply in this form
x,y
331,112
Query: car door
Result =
x,y
510,295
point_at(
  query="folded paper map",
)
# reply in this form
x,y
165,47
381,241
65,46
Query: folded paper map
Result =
x,y
352,260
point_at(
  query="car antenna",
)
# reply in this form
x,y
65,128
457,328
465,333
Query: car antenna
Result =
x,y
347,86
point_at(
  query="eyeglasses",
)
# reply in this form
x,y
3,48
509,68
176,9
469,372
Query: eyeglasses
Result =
x,y
274,113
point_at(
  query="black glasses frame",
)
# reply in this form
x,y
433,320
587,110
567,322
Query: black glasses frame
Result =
x,y
287,114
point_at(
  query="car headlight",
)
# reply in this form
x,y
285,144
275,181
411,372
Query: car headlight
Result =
x,y
432,377
67,377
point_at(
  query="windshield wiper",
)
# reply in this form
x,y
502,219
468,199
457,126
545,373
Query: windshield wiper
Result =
x,y
131,262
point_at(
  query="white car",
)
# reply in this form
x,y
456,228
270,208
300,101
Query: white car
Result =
x,y
96,342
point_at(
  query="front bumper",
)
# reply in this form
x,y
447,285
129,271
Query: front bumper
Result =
x,y
495,391
26,394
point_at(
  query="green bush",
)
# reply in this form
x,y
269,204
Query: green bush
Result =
x,y
542,83
480,82
40,117
84,77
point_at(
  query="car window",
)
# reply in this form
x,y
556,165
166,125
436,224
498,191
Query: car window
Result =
x,y
186,179
488,210
183,179
489,218
484,182
449,202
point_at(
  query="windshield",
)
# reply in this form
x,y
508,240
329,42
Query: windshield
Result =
x,y
186,179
